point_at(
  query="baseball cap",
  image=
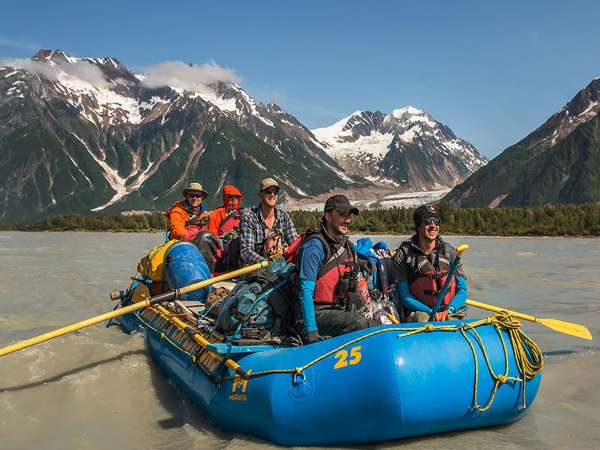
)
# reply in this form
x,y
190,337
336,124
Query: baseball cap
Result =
x,y
341,204
267,183
425,212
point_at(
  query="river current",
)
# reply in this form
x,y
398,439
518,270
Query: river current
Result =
x,y
98,388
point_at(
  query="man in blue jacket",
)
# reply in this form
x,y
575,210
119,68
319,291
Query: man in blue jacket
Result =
x,y
420,267
331,289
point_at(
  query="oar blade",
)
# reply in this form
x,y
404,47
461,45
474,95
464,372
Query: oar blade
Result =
x,y
574,329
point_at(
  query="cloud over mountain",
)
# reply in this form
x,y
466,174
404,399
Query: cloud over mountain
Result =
x,y
188,77
80,69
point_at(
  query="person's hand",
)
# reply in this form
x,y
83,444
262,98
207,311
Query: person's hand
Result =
x,y
441,316
314,336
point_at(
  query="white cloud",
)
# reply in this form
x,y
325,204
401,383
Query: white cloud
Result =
x,y
188,77
83,70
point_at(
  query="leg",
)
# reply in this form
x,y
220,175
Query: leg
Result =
x,y
335,321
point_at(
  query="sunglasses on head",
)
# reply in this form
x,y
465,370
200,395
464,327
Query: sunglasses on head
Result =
x,y
432,221
269,191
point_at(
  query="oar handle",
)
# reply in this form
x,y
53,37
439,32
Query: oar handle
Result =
x,y
460,250
167,296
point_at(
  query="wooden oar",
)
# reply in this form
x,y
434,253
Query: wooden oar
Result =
x,y
168,296
460,250
573,329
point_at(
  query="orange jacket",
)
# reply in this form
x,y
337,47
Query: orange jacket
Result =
x,y
179,215
217,216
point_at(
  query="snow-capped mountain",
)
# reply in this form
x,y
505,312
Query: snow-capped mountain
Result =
x,y
406,147
86,134
559,162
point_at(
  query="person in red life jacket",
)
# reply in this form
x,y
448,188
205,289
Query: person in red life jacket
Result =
x,y
419,268
188,217
264,224
332,292
226,219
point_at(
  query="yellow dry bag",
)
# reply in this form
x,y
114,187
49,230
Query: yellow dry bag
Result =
x,y
152,266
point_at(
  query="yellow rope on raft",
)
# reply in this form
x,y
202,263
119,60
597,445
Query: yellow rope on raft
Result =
x,y
528,356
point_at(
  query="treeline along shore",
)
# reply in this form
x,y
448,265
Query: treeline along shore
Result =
x,y
551,220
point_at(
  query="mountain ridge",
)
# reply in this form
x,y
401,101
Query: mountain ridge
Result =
x,y
407,148
558,162
86,134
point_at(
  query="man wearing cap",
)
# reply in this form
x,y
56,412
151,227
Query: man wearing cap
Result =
x,y
188,217
420,266
331,289
262,221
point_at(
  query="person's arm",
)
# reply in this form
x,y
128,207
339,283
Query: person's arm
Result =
x,y
311,258
213,221
177,219
307,291
460,297
248,241
399,275
409,301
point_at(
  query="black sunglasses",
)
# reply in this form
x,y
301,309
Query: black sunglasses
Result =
x,y
194,195
432,221
270,191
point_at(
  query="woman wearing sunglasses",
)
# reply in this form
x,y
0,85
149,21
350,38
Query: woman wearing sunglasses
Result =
x,y
420,266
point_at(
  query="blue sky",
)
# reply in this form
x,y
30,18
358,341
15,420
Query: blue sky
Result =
x,y
492,71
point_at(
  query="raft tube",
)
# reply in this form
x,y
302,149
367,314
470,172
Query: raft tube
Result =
x,y
184,265
371,385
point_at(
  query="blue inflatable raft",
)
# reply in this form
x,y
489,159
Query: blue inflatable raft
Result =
x,y
376,384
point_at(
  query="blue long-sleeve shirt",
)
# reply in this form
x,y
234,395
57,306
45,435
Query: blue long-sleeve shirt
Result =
x,y
311,258
411,303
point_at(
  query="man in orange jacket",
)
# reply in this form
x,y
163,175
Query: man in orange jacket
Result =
x,y
188,217
226,219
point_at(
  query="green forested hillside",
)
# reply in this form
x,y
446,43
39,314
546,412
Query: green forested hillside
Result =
x,y
556,220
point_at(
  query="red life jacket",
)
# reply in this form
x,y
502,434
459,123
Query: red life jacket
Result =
x,y
339,260
427,278
231,222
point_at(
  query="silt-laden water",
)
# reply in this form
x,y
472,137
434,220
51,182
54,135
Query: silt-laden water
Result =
x,y
98,388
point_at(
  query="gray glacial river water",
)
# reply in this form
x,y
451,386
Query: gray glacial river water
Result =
x,y
98,388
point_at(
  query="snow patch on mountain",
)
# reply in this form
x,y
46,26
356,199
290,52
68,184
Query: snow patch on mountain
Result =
x,y
332,134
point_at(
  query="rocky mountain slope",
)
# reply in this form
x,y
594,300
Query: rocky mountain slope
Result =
x,y
559,162
407,148
86,134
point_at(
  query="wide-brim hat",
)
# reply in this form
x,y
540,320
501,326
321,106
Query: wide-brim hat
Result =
x,y
194,187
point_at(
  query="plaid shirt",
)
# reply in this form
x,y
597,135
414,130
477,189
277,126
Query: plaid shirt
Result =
x,y
254,230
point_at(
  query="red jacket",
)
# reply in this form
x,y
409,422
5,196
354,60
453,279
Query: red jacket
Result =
x,y
215,222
